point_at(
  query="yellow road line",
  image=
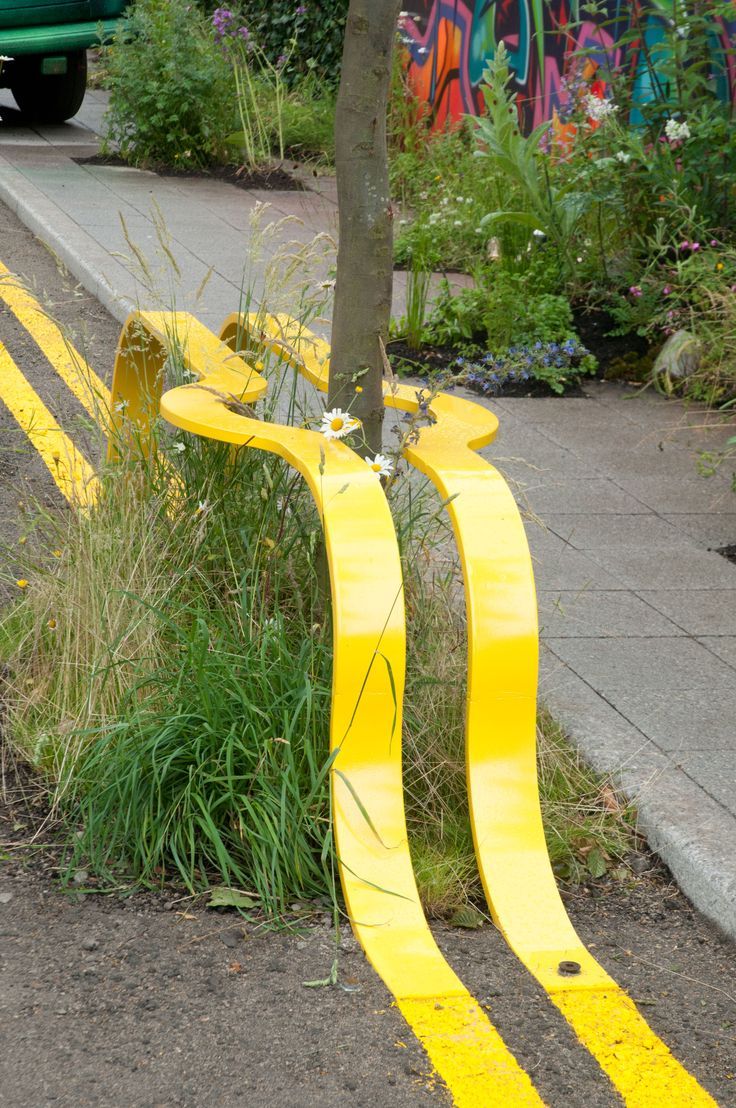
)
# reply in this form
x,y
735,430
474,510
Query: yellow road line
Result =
x,y
468,1053
74,370
642,1068
69,468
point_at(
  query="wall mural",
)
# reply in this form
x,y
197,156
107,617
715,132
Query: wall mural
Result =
x,y
449,43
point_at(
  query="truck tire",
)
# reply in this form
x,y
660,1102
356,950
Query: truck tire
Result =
x,y
47,98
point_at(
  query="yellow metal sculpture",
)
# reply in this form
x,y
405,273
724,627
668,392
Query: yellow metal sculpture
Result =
x,y
501,729
369,660
368,679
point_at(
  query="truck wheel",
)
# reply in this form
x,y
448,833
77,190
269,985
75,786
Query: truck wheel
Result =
x,y
49,98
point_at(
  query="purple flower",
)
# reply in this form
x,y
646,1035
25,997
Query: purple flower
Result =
x,y
301,10
695,246
666,290
635,290
714,242
685,245
281,59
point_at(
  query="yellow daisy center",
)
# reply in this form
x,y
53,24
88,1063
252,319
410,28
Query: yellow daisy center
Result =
x,y
337,423
376,467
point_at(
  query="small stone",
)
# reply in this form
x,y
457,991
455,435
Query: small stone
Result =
x,y
230,938
679,357
639,863
89,944
80,877
5,898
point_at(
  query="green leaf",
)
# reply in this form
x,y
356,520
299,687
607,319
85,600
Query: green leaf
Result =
x,y
527,219
467,916
222,897
597,864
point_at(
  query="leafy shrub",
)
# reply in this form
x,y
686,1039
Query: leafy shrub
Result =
x,y
308,121
499,312
171,97
317,28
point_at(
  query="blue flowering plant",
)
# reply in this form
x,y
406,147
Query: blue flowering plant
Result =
x,y
558,366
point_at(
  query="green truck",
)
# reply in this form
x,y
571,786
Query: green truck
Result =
x,y
47,42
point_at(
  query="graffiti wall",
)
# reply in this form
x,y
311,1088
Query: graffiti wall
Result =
x,y
449,43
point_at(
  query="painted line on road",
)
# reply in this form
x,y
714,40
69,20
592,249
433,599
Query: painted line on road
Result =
x,y
67,465
71,366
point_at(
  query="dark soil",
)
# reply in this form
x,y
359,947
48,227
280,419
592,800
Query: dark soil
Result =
x,y
272,179
153,999
620,357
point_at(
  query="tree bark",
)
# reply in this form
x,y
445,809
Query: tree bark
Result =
x,y
365,252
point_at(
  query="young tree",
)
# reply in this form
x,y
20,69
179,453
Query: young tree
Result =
x,y
365,252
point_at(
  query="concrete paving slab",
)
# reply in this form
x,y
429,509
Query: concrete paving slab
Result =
x,y
668,666
707,528
723,646
559,566
696,611
600,614
608,532
530,455
666,567
589,496
685,719
672,495
713,770
561,414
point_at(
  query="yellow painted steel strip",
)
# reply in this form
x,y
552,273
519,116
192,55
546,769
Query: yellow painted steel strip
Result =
x,y
501,732
74,370
69,468
368,680
501,769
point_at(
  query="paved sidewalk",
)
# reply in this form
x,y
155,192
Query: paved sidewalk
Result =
x,y
638,614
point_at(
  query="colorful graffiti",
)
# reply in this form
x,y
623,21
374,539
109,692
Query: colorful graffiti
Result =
x,y
449,43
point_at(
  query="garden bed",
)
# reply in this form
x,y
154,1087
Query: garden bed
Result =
x,y
277,178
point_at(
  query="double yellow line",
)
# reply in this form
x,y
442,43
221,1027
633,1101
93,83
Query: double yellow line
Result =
x,y
70,470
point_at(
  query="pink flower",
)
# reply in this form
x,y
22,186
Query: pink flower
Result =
x,y
635,290
695,246
714,242
666,290
685,245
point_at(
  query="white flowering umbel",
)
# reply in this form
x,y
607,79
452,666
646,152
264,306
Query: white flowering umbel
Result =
x,y
676,130
597,109
623,157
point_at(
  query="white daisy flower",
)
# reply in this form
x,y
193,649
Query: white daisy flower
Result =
x,y
623,157
337,424
381,465
179,447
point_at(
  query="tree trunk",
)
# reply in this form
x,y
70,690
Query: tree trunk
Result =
x,y
365,252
